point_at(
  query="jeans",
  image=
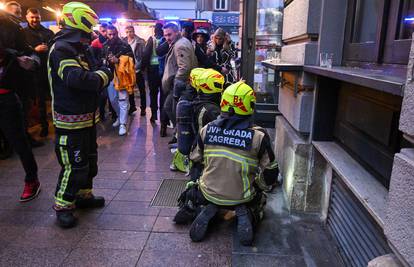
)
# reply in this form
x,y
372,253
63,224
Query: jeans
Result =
x,y
142,93
154,83
120,102
13,127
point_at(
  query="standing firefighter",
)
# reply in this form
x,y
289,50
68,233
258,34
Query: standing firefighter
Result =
x,y
76,83
236,163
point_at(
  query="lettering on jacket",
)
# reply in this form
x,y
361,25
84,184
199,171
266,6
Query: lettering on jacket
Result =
x,y
241,139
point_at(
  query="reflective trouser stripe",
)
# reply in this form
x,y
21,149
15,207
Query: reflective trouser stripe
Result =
x,y
224,202
66,174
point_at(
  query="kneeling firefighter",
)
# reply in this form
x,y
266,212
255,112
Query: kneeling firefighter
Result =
x,y
194,110
76,82
234,162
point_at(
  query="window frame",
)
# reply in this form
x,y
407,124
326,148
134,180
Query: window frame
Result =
x,y
226,5
363,52
396,51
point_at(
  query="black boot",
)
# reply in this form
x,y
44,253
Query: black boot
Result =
x,y
199,227
244,225
163,130
184,215
90,203
44,132
65,218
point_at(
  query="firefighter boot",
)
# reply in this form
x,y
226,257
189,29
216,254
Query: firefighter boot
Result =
x,y
244,225
65,217
89,202
199,227
184,215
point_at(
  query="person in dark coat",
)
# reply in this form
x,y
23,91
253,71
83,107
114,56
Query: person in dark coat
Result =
x,y
38,37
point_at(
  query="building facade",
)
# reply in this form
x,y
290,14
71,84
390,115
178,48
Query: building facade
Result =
x,y
344,139
183,9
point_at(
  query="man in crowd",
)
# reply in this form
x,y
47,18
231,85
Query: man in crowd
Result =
x,y
233,162
152,62
15,9
14,59
38,37
137,45
114,48
76,84
180,60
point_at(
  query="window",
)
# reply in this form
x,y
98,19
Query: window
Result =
x,y
379,31
220,5
363,30
400,29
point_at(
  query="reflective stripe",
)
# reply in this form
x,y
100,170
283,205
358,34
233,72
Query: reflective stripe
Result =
x,y
66,63
66,173
245,162
273,165
224,202
104,77
49,76
200,117
250,161
84,65
75,121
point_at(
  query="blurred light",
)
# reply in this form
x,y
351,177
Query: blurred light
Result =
x,y
58,13
105,19
121,20
411,19
171,17
2,6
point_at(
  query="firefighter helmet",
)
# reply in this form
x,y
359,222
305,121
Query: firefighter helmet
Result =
x,y
207,81
79,16
240,97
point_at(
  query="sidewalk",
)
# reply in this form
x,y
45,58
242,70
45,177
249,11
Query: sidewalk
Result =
x,y
128,232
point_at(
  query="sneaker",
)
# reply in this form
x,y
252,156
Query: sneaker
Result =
x,y
116,123
65,217
244,225
122,130
132,110
90,202
199,227
31,190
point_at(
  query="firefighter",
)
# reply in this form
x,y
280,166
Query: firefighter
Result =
x,y
239,164
198,105
76,82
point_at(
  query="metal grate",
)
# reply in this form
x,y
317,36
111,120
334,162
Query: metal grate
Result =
x,y
359,238
168,193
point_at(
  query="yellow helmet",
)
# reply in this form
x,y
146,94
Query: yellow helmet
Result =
x,y
79,16
208,81
240,97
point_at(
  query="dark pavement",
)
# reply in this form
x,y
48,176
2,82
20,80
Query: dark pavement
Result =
x,y
127,231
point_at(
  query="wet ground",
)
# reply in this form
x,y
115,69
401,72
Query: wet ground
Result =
x,y
127,231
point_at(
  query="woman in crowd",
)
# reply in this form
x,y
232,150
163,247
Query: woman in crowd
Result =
x,y
221,51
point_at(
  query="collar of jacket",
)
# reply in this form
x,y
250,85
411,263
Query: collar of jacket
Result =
x,y
233,122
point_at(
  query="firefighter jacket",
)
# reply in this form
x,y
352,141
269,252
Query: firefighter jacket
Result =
x,y
74,85
236,156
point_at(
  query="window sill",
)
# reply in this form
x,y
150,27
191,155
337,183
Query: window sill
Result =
x,y
379,79
364,186
282,66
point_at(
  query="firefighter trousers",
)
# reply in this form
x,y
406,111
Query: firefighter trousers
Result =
x,y
77,155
